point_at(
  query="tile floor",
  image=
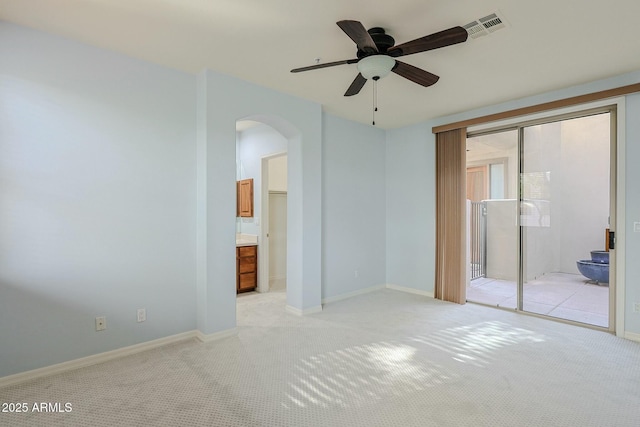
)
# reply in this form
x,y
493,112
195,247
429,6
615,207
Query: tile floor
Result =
x,y
561,295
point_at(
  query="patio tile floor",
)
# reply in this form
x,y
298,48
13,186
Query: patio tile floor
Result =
x,y
561,295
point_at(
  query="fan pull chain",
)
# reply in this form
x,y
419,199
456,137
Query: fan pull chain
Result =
x,y
375,100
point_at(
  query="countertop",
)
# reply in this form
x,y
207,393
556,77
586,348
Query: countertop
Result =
x,y
246,240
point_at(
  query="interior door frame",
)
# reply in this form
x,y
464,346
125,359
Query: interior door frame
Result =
x,y
263,253
616,107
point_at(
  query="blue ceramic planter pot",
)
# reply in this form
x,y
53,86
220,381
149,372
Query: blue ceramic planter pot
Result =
x,y
596,271
601,257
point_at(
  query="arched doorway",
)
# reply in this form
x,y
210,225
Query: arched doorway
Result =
x,y
290,144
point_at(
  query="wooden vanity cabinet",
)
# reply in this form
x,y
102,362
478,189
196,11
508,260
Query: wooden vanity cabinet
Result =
x,y
246,268
244,198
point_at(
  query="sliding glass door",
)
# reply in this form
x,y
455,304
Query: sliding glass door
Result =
x,y
543,190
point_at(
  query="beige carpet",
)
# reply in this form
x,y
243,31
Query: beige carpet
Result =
x,y
382,359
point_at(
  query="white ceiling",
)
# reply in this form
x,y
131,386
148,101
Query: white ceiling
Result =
x,y
547,45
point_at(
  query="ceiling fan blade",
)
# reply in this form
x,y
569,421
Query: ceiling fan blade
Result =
x,y
358,34
355,87
324,65
415,74
434,41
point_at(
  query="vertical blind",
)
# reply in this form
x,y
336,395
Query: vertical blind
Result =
x,y
451,277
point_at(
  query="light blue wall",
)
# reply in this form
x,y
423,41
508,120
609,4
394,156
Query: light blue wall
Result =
x,y
119,193
410,159
353,198
410,185
97,189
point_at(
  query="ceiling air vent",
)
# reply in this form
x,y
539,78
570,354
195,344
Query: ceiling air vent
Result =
x,y
484,26
492,22
475,29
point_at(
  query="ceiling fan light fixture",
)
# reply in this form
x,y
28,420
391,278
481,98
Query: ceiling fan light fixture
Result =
x,y
376,66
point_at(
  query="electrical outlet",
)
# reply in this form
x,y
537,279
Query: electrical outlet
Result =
x,y
101,323
142,315
636,307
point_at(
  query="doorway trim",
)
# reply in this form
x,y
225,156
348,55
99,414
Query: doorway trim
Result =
x,y
263,254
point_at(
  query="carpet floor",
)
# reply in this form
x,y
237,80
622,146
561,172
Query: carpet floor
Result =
x,y
385,358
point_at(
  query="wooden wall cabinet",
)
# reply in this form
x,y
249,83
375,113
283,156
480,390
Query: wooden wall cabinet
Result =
x,y
246,268
245,198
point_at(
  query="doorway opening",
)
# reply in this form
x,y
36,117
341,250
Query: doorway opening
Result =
x,y
541,202
261,156
274,220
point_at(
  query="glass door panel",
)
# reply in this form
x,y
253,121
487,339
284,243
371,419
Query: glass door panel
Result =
x,y
492,205
564,215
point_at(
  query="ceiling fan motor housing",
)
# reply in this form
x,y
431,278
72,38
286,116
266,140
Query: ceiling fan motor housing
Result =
x,y
376,65
382,40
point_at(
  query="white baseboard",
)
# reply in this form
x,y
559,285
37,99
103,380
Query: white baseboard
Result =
x,y
94,359
303,312
352,294
410,290
377,288
632,336
216,336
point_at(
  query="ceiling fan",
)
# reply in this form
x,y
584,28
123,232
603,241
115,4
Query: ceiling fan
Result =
x,y
376,54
